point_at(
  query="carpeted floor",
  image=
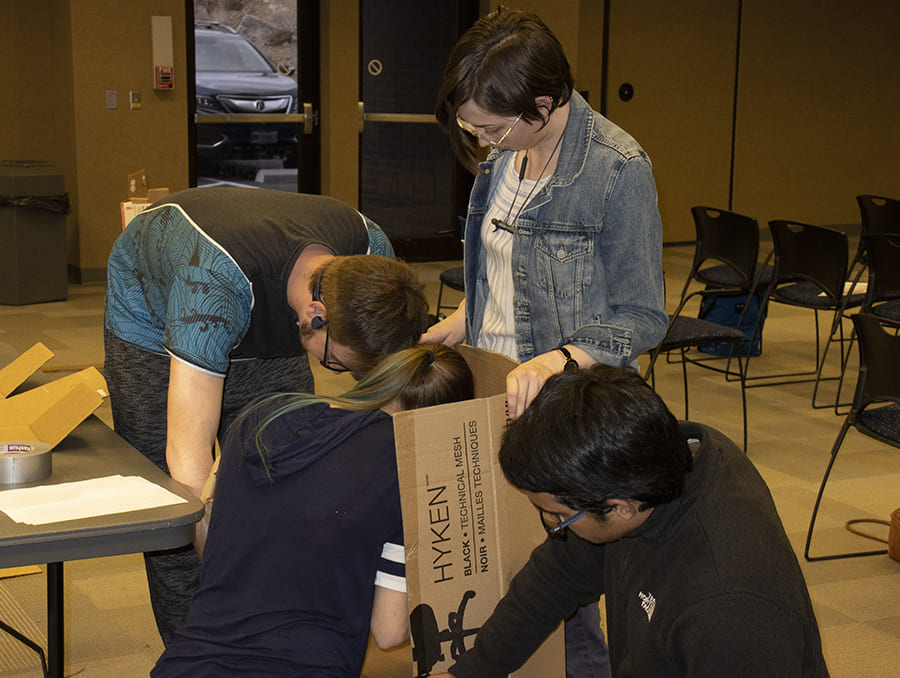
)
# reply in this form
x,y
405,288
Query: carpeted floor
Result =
x,y
109,626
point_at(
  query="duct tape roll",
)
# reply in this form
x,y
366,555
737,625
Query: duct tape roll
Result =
x,y
23,461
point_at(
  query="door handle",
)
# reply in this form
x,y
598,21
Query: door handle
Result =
x,y
310,118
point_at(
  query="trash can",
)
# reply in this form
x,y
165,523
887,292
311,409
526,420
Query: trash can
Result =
x,y
33,206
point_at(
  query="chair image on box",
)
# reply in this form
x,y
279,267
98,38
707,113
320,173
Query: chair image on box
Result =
x,y
810,272
875,411
877,215
685,332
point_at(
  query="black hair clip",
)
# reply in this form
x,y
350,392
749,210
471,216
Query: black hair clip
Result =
x,y
502,225
429,358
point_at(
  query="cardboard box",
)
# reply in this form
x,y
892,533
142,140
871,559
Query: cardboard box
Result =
x,y
130,209
467,530
50,412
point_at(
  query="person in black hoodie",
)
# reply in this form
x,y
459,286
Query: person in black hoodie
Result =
x,y
305,546
671,521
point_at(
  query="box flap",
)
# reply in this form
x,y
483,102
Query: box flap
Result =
x,y
50,412
23,367
490,369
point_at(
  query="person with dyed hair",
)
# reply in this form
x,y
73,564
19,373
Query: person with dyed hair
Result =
x,y
305,547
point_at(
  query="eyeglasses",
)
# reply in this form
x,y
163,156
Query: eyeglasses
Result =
x,y
334,364
556,528
471,129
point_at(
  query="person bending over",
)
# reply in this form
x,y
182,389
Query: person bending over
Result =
x,y
214,297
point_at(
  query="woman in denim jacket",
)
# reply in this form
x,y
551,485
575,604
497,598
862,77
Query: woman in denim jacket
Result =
x,y
563,239
574,259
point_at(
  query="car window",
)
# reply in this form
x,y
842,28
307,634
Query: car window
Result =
x,y
213,53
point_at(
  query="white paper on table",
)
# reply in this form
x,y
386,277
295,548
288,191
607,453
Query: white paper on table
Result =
x,y
84,499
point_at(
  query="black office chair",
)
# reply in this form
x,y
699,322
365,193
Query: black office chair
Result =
x,y
810,272
883,286
726,251
875,411
686,332
877,215
726,255
882,295
452,277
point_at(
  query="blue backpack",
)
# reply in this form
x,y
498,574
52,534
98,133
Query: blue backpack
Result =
x,y
726,310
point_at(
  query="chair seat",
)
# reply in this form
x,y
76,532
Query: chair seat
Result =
x,y
883,421
810,295
686,331
726,276
889,310
453,277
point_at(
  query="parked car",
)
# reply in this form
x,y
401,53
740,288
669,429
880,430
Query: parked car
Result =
x,y
233,76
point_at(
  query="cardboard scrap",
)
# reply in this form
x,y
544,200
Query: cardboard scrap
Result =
x,y
50,412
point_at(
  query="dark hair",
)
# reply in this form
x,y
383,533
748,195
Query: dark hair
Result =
x,y
376,306
419,376
597,434
506,60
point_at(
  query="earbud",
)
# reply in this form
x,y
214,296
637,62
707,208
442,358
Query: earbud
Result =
x,y
318,322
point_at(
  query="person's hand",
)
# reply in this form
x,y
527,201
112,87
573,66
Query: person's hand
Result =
x,y
450,331
526,380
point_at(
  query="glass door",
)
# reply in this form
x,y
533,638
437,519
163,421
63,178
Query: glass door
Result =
x,y
255,66
410,183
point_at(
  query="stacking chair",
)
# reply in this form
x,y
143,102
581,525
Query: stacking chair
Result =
x,y
877,215
452,277
875,411
810,272
685,332
882,297
726,251
883,287
725,261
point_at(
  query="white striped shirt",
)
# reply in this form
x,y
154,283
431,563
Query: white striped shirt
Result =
x,y
498,332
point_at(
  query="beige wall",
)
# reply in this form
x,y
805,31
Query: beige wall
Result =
x,y
62,55
67,54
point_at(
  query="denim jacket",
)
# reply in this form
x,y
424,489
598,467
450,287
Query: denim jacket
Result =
x,y
587,250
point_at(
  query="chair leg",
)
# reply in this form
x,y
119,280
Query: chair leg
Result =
x,y
812,521
437,310
845,358
837,326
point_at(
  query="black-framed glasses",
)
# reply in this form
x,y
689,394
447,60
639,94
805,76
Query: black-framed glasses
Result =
x,y
334,364
556,527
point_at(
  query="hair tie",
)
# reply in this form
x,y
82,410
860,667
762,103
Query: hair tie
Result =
x,y
429,358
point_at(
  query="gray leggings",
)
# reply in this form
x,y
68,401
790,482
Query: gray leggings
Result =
x,y
138,383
